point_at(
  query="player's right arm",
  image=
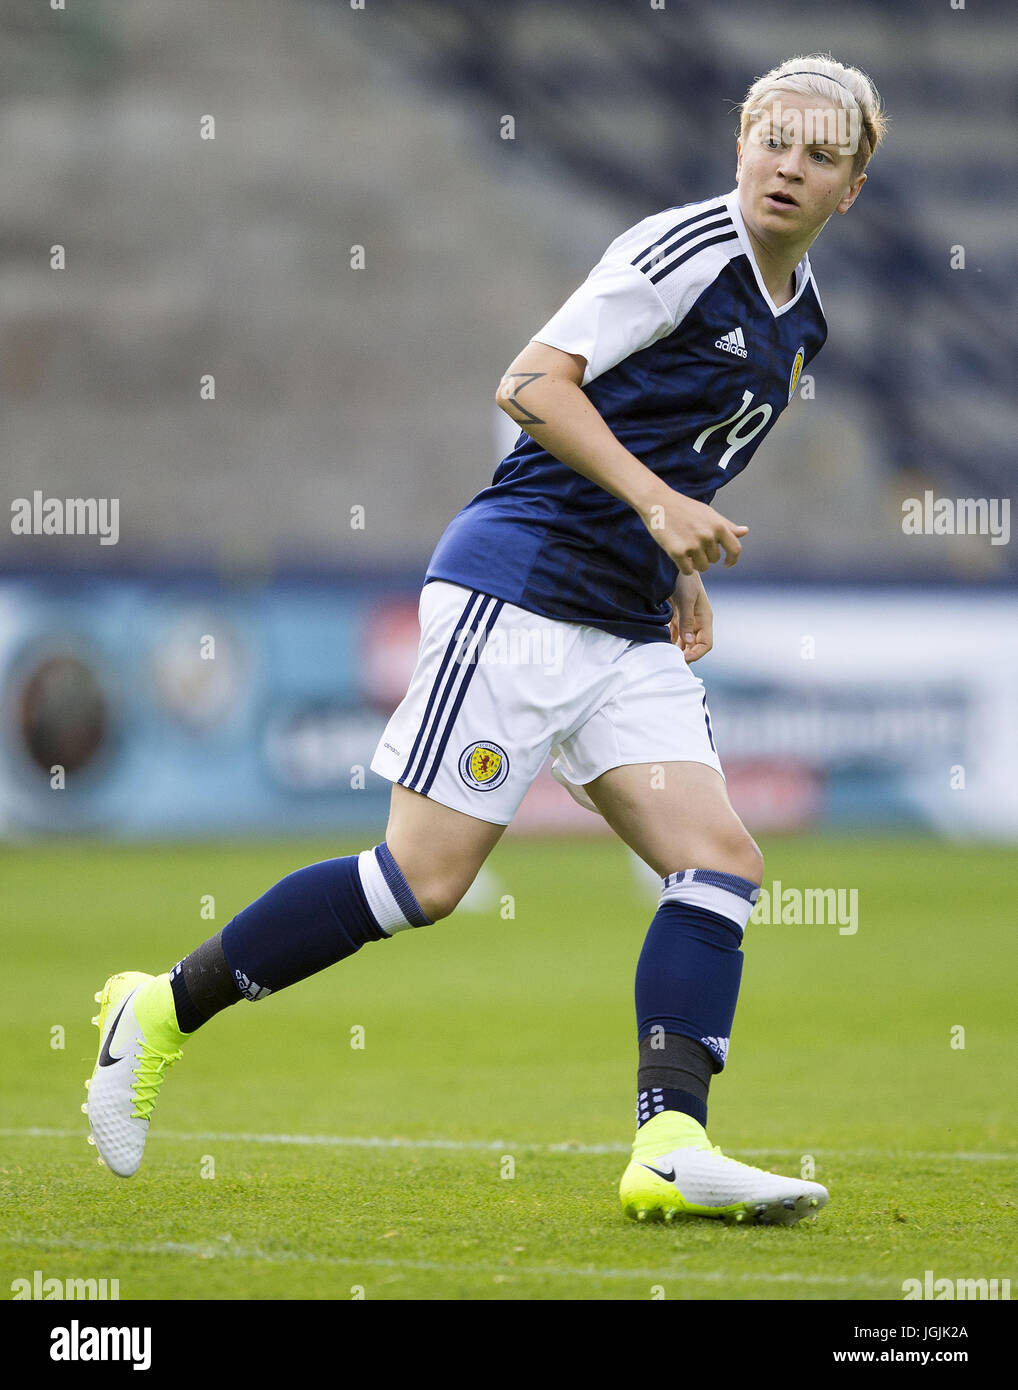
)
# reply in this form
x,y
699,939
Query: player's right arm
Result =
x,y
541,391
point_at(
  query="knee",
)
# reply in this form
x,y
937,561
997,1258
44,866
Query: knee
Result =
x,y
754,860
437,880
438,896
744,858
736,852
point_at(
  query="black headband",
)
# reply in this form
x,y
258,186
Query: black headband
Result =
x,y
802,72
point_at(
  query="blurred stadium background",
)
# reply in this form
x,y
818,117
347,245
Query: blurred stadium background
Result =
x,y
227,665
189,714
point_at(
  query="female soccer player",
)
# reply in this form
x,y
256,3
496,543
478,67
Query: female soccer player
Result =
x,y
648,390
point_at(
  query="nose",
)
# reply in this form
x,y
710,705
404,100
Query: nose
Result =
x,y
792,159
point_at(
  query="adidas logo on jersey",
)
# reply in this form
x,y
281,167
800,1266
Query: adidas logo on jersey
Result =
x,y
732,342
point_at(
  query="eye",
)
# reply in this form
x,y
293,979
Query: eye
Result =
x,y
772,142
821,154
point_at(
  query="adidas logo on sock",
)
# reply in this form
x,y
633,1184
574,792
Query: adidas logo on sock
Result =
x,y
732,342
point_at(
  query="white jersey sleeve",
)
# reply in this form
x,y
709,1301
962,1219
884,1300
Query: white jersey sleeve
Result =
x,y
614,313
626,302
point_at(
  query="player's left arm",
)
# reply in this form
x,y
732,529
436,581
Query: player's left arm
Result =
x,y
692,624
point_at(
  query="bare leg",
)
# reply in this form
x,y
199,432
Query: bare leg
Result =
x,y
439,851
677,816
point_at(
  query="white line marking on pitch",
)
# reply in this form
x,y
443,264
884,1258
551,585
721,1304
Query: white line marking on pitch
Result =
x,y
499,1145
226,1248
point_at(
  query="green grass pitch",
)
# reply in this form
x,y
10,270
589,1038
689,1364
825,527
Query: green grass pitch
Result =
x,y
471,1148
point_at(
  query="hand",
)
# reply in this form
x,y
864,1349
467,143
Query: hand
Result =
x,y
692,624
692,534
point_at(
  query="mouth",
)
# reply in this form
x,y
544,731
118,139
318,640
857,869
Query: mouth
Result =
x,y
781,200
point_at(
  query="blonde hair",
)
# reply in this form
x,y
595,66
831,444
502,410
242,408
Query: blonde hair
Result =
x,y
818,75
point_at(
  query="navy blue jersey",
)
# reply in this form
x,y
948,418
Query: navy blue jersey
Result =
x,y
690,362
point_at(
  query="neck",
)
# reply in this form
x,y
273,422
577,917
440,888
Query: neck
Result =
x,y
777,266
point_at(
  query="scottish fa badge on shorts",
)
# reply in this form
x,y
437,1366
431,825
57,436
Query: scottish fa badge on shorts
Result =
x,y
793,380
484,766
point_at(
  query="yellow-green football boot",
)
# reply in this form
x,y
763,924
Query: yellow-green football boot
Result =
x,y
138,1042
675,1173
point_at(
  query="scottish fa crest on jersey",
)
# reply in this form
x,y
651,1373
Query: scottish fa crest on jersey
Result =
x,y
793,380
484,766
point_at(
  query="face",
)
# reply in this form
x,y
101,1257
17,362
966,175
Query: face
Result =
x,y
795,168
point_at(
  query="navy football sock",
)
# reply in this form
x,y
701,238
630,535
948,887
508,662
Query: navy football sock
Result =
x,y
309,920
687,983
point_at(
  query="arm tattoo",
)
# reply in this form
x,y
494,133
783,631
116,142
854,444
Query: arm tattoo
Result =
x,y
525,417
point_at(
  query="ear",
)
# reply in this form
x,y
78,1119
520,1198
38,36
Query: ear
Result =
x,y
854,189
738,158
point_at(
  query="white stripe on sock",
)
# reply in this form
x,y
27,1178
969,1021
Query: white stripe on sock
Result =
x,y
715,899
384,907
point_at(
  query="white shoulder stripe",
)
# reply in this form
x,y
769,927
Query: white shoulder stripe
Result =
x,y
686,227
681,250
644,285
699,265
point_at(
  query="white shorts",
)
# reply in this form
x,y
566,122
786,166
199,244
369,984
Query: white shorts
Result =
x,y
497,689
